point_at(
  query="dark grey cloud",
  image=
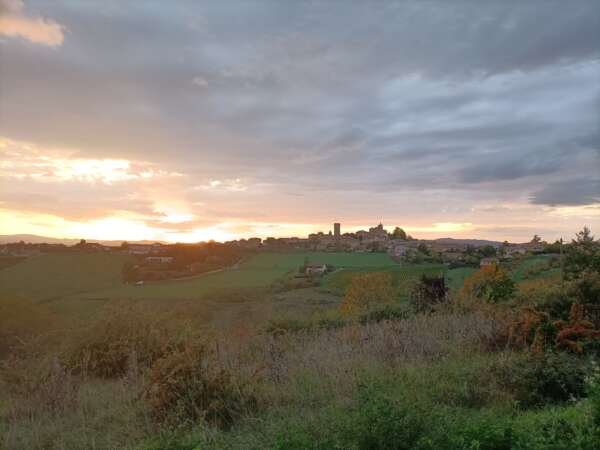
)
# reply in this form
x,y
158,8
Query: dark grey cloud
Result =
x,y
572,192
480,99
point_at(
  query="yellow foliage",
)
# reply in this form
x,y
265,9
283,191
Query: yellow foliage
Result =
x,y
490,283
366,290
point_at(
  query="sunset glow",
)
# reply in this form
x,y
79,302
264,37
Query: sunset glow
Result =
x,y
283,128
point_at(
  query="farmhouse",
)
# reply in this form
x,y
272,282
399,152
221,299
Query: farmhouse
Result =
x,y
160,259
143,249
318,269
487,262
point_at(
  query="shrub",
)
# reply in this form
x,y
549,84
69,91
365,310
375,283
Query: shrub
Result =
x,y
105,348
450,429
558,428
428,293
593,386
367,290
282,325
577,332
38,385
491,283
587,287
539,379
20,320
189,384
546,295
382,423
388,312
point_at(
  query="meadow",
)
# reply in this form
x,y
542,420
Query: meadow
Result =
x,y
58,275
258,271
292,369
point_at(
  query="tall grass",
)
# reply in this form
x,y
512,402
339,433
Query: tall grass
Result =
x,y
138,379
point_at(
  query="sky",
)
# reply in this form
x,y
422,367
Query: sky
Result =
x,y
195,120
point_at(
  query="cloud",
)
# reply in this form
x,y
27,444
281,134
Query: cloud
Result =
x,y
294,112
24,161
200,82
572,192
39,30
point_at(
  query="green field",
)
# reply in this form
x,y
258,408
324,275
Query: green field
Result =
x,y
96,277
78,285
54,276
519,273
404,275
259,271
455,278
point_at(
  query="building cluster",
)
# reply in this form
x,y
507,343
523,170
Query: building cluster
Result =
x,y
375,239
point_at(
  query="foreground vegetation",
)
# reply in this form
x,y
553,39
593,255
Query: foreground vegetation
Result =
x,y
503,362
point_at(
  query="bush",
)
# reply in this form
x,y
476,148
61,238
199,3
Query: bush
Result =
x,y
122,334
367,290
428,293
539,379
283,325
189,385
451,429
490,283
20,320
558,428
388,312
545,295
382,423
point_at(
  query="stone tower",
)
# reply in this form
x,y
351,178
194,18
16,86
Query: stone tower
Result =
x,y
336,230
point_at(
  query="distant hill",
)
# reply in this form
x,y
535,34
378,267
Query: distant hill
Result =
x,y
34,239
473,242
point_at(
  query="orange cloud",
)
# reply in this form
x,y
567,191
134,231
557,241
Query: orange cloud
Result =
x,y
14,23
23,160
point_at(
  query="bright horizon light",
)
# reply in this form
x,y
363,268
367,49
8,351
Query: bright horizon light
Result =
x,y
308,119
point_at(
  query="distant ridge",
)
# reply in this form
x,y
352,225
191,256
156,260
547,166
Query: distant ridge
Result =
x,y
34,239
473,242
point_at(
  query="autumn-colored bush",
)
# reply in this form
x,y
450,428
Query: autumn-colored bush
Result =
x,y
577,331
190,384
535,330
547,295
491,283
531,329
367,290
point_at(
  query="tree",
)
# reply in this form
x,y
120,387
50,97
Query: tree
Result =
x,y
423,249
582,255
399,233
536,239
366,290
584,236
429,292
487,251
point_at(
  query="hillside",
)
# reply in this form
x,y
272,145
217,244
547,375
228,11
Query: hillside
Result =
x,y
57,275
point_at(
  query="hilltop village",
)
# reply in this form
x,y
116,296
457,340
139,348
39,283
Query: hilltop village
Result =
x,y
159,261
398,244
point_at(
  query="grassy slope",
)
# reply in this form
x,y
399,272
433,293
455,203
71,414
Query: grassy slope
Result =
x,y
456,277
57,275
259,271
518,273
403,275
